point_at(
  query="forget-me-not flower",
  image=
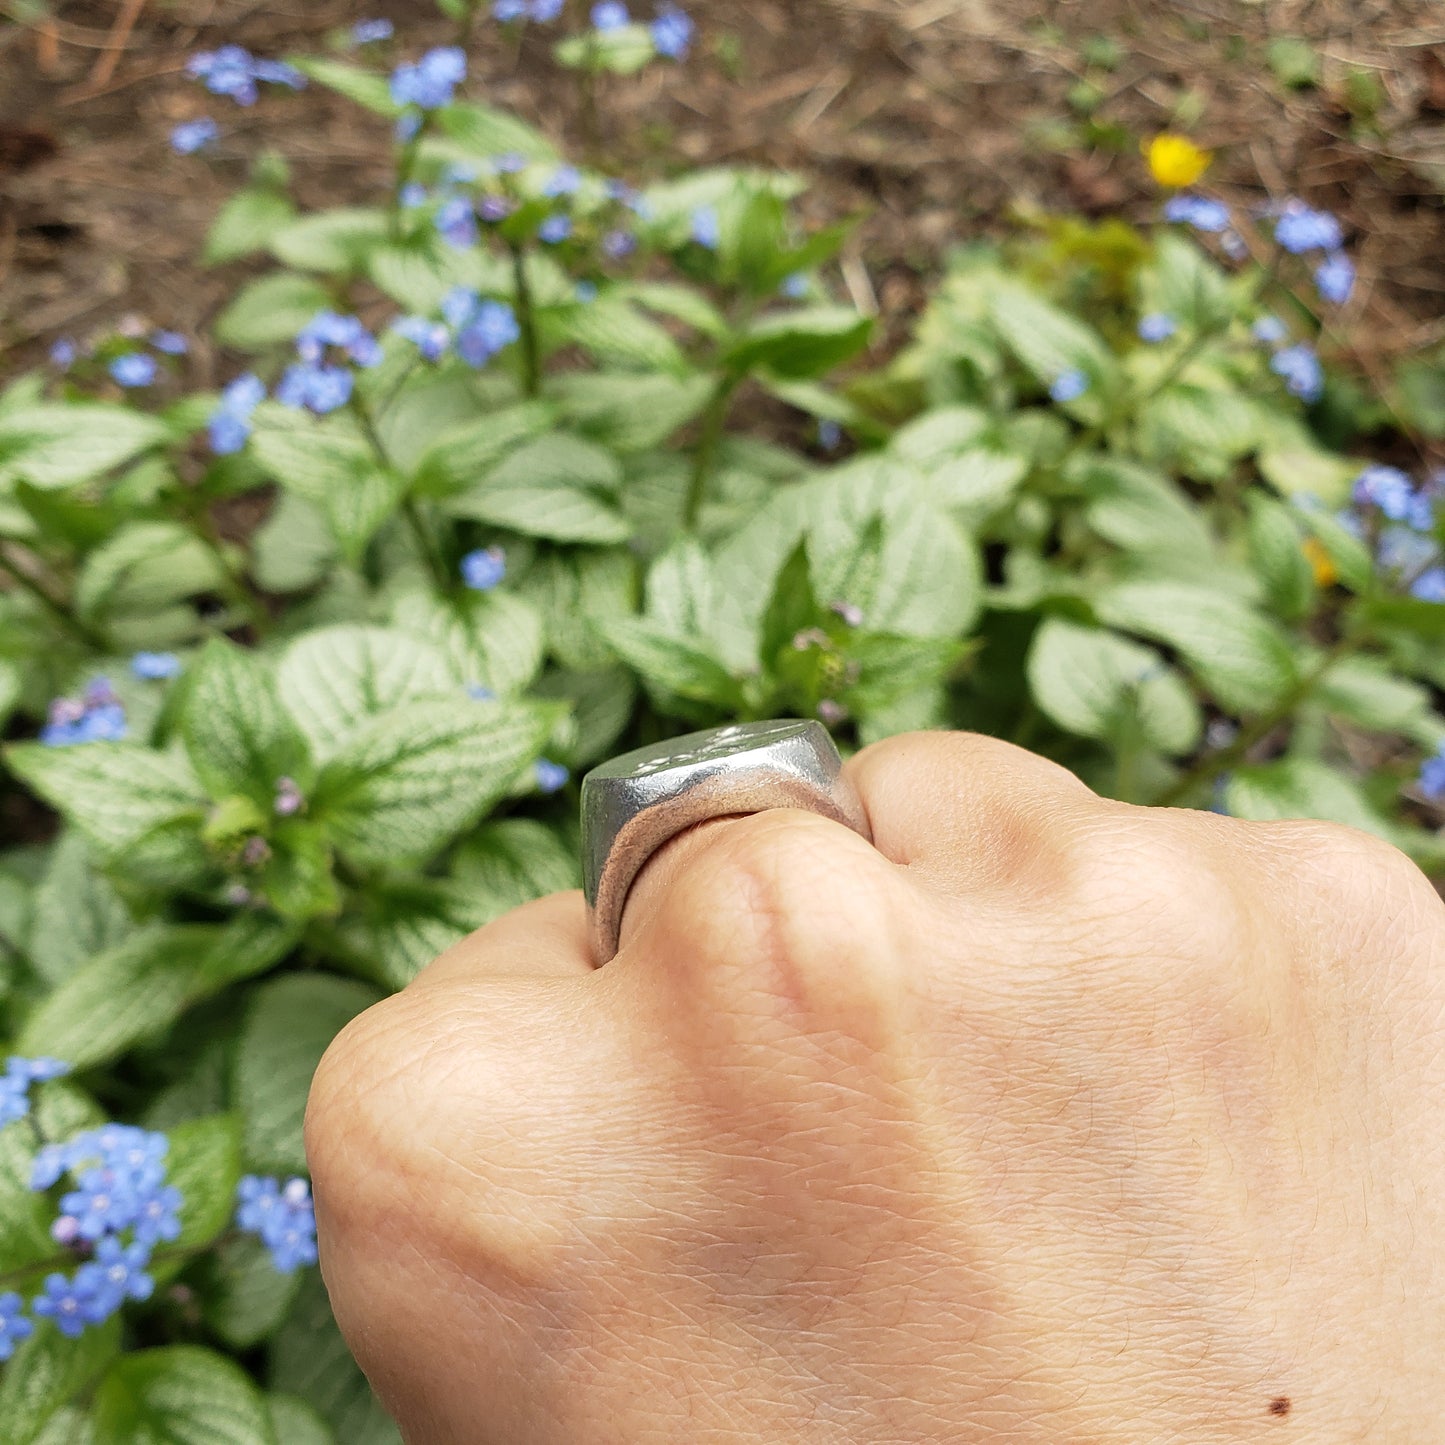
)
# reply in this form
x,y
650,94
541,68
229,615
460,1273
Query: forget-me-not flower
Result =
x,y
1201,212
1269,330
1303,375
194,135
1069,386
672,33
230,423
550,776
133,369
1157,326
484,569
555,229
430,81
706,229
155,666
366,32
14,1324
610,15
1335,278
1300,228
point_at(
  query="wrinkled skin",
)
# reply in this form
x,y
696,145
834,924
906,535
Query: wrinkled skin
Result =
x,y
1046,1118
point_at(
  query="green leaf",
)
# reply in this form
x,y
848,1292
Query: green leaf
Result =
x,y
1366,691
1046,340
1185,284
803,343
329,464
244,1296
421,773
309,1358
1137,508
573,589
293,549
555,487
296,1423
681,303
368,90
480,130
493,638
46,1373
179,1395
681,593
142,569
514,861
246,224
791,608
602,701
1349,556
462,455
290,1023
204,1163
239,737
671,663
336,680
60,445
112,792
1301,788
623,51
76,913
1200,430
271,310
1295,62
134,989
1241,656
1277,552
332,242
629,413
615,333
398,929
1097,685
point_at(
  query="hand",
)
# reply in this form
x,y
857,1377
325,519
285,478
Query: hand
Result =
x,y
1046,1118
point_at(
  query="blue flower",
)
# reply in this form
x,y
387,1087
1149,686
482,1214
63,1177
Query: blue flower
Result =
x,y
509,163
412,195
478,693
1387,488
610,15
320,389
1191,209
456,222
194,135
429,83
1300,228
408,127
344,333
495,208
227,71
155,666
16,1081
133,368
705,228
484,569
116,1273
795,287
230,423
14,1101
508,10
365,32
1301,370
1335,278
278,73
1157,326
172,343
14,1326
564,181
490,329
1429,586
72,1304
1069,386
1269,330
618,243
546,11
672,33
63,353
431,338
585,292
283,1216
830,434
555,229
1432,776
99,718
550,776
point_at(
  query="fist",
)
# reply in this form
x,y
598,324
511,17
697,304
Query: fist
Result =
x,y
1043,1118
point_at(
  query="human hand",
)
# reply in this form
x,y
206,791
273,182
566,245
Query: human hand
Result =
x,y
1045,1118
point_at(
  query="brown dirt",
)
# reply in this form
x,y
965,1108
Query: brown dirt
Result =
x,y
939,117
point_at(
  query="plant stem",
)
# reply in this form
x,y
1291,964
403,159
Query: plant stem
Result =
x,y
713,421
62,614
235,584
1215,765
527,323
404,166
411,512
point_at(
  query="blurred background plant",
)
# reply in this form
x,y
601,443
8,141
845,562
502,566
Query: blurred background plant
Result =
x,y
505,421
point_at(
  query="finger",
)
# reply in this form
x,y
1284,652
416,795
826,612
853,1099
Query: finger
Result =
x,y
961,810
546,938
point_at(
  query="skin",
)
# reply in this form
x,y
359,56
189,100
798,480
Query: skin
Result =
x,y
1044,1118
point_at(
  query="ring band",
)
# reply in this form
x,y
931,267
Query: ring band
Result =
x,y
633,804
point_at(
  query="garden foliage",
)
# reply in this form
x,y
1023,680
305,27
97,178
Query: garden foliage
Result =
x,y
520,465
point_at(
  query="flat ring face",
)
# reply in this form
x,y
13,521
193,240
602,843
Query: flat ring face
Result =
x,y
632,804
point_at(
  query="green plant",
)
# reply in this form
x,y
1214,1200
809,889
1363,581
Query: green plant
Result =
x,y
514,522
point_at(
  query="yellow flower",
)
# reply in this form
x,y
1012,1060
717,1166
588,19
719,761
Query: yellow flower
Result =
x,y
1320,564
1176,161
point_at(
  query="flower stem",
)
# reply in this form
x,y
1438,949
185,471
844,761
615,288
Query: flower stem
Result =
x,y
527,323
713,421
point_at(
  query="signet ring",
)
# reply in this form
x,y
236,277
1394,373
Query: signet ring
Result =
x,y
634,803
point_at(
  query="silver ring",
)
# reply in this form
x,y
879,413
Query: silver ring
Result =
x,y
634,803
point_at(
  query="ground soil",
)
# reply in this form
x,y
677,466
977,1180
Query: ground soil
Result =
x,y
940,118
